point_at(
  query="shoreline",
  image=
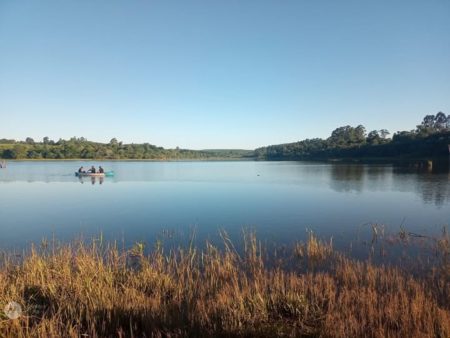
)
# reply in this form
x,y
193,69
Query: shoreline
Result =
x,y
126,160
97,289
386,160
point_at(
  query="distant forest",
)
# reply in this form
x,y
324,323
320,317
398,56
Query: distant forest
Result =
x,y
430,139
80,148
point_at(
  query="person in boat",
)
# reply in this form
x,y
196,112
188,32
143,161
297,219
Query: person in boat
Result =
x,y
81,171
100,170
92,170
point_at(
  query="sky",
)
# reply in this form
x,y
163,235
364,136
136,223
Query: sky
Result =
x,y
219,74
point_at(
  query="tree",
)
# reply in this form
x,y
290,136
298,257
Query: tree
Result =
x,y
29,140
45,140
33,154
404,136
428,121
440,121
340,136
18,151
9,153
360,134
384,133
434,123
373,137
347,136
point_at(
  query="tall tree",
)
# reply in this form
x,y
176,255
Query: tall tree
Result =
x,y
373,137
440,121
428,121
384,133
360,134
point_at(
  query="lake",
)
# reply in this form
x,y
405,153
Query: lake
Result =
x,y
145,201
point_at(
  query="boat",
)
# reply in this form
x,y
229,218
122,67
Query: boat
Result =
x,y
90,174
106,173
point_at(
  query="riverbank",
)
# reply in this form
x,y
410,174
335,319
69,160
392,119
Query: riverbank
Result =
x,y
96,289
131,160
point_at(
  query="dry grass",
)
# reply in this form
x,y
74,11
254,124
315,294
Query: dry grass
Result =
x,y
96,291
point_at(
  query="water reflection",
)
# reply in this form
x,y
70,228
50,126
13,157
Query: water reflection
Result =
x,y
91,179
280,199
346,178
430,183
434,191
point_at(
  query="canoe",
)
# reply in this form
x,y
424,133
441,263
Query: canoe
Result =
x,y
106,173
90,174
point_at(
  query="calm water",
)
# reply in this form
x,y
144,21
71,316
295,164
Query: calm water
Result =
x,y
278,199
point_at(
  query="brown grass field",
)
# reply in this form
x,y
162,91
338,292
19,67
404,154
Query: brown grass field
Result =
x,y
98,290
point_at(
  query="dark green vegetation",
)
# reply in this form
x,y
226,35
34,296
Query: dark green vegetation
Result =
x,y
229,153
429,140
83,149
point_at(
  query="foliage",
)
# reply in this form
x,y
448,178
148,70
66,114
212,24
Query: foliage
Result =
x,y
80,148
347,136
430,139
433,123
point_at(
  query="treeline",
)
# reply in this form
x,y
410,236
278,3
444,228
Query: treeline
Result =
x,y
81,148
430,139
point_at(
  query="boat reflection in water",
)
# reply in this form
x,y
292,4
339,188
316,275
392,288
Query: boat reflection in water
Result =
x,y
92,179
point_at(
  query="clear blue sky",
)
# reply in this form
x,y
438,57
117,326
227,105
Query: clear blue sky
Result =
x,y
219,74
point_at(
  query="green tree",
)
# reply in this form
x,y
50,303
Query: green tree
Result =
x,y
434,123
373,137
9,153
359,134
440,122
32,154
347,136
428,121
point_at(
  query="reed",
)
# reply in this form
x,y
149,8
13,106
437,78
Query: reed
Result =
x,y
99,290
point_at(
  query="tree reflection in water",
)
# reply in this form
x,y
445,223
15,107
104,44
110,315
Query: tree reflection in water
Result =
x,y
430,183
